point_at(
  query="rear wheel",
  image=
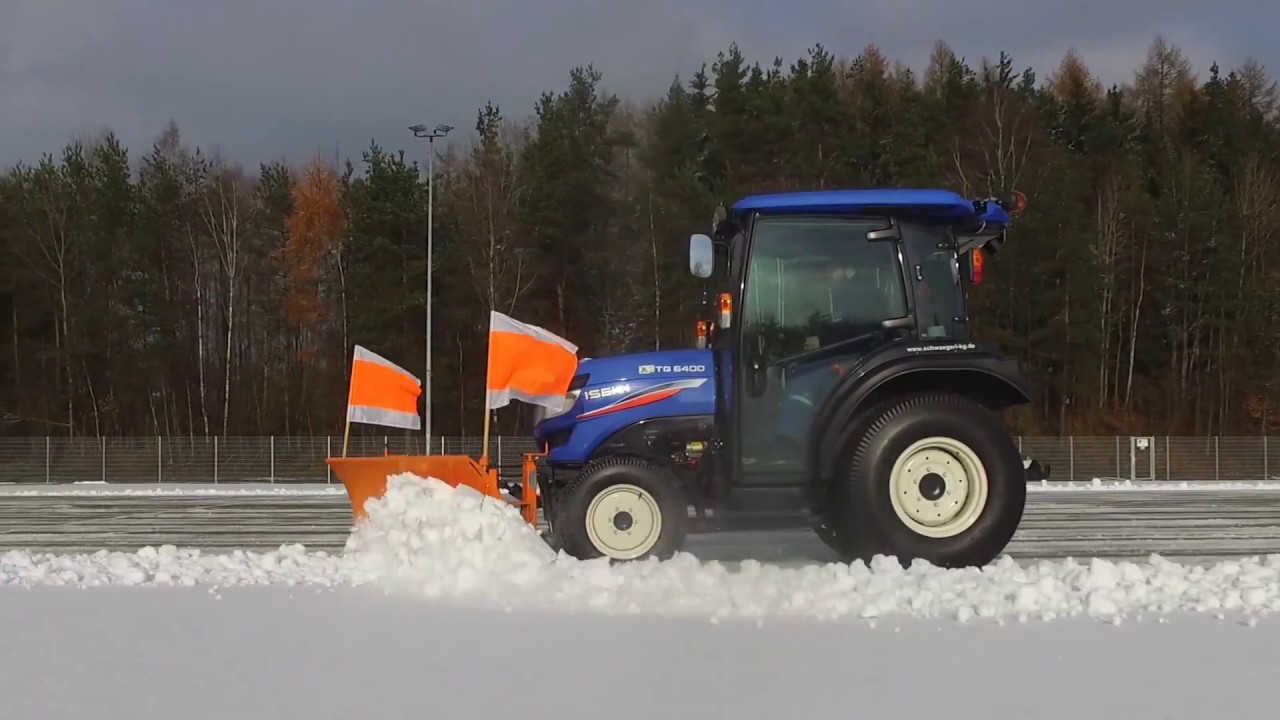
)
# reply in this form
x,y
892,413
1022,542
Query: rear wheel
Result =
x,y
623,508
934,476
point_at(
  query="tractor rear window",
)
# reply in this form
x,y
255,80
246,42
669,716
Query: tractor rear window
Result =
x,y
815,281
935,281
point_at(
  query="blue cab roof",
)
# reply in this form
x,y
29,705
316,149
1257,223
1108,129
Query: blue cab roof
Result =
x,y
916,201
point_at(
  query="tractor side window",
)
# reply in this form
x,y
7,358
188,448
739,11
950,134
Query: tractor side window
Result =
x,y
816,281
935,281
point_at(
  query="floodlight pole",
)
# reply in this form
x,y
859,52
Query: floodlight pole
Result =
x,y
438,132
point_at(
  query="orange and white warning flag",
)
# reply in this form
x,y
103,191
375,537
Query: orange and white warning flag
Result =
x,y
382,393
527,363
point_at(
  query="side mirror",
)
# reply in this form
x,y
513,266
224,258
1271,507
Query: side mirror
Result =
x,y
701,255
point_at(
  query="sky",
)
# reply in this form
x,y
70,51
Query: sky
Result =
x,y
266,79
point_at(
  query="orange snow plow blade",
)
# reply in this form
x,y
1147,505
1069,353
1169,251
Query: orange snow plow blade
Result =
x,y
366,477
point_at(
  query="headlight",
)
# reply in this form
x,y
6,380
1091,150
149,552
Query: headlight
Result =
x,y
570,398
541,413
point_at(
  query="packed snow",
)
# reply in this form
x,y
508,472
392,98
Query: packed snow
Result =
x,y
427,540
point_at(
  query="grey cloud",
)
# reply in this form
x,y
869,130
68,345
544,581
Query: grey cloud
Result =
x,y
268,78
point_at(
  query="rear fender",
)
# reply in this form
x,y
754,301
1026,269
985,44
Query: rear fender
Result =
x,y
993,382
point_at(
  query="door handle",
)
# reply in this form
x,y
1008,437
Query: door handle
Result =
x,y
757,379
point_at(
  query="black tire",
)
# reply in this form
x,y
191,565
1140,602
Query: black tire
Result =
x,y
664,492
833,525
866,520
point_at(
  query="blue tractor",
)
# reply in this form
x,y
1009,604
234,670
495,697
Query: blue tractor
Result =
x,y
838,388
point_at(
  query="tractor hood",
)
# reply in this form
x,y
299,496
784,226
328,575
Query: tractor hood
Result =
x,y
611,393
647,366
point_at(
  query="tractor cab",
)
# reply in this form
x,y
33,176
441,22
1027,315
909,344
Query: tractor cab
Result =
x,y
808,284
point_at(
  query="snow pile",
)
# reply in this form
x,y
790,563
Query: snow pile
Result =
x,y
426,539
437,540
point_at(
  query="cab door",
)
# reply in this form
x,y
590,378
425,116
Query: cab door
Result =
x,y
809,282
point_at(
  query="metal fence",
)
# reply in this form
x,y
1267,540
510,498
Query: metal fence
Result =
x,y
269,459
301,459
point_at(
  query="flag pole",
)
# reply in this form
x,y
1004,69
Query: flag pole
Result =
x,y
346,429
484,454
488,364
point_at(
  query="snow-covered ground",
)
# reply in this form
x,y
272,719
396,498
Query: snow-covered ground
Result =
x,y
445,603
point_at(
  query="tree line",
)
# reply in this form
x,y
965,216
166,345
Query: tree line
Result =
x,y
174,292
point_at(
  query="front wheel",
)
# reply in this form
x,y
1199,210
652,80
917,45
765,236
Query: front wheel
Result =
x,y
623,508
936,477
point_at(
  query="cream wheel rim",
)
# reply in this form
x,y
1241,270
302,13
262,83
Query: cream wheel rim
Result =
x,y
623,521
938,487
